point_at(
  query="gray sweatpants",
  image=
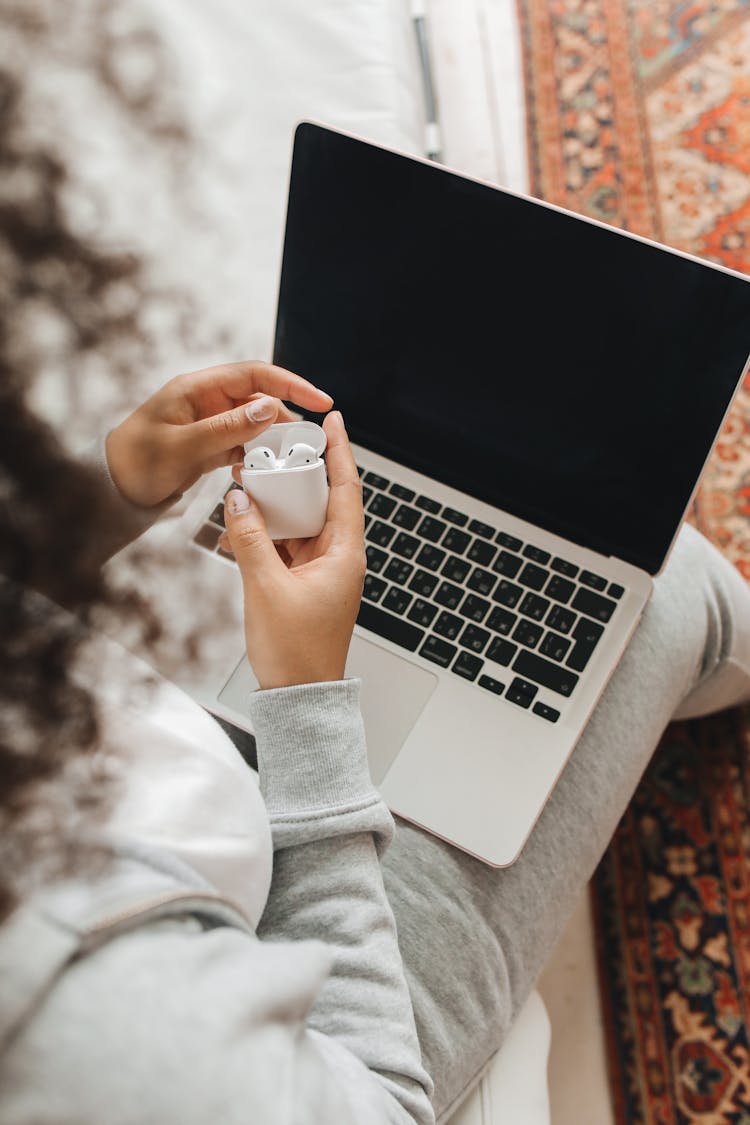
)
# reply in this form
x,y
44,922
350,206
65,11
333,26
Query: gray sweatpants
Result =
x,y
474,938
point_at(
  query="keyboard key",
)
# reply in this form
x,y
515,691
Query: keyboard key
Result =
x,y
521,692
595,581
614,591
507,594
438,651
586,634
509,541
535,607
536,554
501,621
561,589
366,494
483,529
502,652
527,633
562,566
594,605
533,576
561,619
448,625
397,600
555,646
449,595
373,588
553,676
492,685
422,612
545,712
398,571
402,492
380,533
452,516
376,481
207,536
474,638
407,517
431,529
423,583
376,559
456,569
427,505
430,556
360,470
217,516
474,608
405,545
482,552
481,581
391,628
381,505
468,665
507,564
455,540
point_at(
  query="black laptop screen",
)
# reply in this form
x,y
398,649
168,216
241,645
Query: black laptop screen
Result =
x,y
549,366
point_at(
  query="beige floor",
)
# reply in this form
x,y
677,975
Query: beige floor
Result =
x,y
579,1092
477,63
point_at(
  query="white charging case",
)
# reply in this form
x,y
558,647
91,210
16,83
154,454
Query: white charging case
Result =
x,y
293,501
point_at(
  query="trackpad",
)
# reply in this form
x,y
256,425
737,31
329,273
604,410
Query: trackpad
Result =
x,y
393,693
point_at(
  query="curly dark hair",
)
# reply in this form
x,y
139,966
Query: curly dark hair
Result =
x,y
52,509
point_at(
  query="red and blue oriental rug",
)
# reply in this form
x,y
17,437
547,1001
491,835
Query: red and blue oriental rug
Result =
x,y
639,115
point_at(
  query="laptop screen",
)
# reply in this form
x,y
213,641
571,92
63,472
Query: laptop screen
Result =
x,y
554,368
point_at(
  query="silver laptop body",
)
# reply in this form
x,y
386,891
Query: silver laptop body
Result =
x,y
533,396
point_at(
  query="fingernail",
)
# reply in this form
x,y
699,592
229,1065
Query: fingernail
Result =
x,y
238,501
261,409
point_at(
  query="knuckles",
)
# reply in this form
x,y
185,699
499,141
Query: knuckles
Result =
x,y
223,425
246,538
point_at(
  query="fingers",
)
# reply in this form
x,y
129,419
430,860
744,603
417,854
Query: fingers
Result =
x,y
262,386
345,517
221,434
241,380
249,540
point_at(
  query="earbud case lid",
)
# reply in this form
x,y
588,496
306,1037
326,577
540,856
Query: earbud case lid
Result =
x,y
286,434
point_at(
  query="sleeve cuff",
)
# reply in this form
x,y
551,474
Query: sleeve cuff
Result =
x,y
312,753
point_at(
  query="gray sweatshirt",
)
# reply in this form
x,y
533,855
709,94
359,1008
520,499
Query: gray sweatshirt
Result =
x,y
144,995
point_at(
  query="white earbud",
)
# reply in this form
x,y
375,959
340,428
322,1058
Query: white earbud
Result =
x,y
300,454
261,457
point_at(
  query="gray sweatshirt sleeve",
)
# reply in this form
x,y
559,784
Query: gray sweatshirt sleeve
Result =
x,y
309,1022
329,828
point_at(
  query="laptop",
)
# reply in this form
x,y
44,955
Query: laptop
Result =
x,y
531,396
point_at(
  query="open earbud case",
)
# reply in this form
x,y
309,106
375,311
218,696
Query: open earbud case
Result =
x,y
294,499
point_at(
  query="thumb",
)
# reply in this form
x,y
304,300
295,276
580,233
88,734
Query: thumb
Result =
x,y
251,544
221,433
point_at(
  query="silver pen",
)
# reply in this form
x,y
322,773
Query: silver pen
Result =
x,y
433,142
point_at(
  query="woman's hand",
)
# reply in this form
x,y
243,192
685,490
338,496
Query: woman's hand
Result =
x,y
301,600
198,422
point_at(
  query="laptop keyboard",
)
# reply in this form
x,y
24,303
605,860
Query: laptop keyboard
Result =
x,y
500,612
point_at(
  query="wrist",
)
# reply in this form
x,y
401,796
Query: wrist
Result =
x,y
271,679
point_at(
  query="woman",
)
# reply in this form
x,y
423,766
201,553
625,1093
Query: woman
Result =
x,y
364,975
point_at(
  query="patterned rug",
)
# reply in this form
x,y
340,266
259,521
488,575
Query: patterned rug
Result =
x,y
639,115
